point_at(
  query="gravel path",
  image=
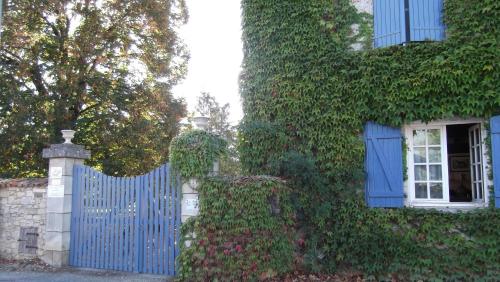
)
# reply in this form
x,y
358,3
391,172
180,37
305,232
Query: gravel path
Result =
x,y
34,270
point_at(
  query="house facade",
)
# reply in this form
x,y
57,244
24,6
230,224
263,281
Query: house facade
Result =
x,y
394,104
428,76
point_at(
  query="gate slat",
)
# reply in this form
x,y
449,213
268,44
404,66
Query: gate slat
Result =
x,y
113,224
150,222
128,220
106,195
88,228
155,221
145,224
132,222
99,221
94,219
137,223
125,218
170,222
87,219
121,222
161,226
109,223
117,224
102,218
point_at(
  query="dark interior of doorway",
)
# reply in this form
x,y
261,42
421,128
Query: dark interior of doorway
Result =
x,y
459,162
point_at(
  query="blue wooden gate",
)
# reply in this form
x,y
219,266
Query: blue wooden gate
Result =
x,y
125,223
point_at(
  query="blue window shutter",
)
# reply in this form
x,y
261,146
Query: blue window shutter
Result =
x,y
495,153
384,166
426,20
388,23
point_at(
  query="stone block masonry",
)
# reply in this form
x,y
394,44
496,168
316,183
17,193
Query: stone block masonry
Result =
x,y
23,206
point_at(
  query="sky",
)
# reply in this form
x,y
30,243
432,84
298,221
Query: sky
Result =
x,y
213,37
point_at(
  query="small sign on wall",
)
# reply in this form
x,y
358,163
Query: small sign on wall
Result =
x,y
55,172
55,175
190,206
55,191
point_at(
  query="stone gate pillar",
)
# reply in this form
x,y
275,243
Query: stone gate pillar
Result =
x,y
189,205
61,157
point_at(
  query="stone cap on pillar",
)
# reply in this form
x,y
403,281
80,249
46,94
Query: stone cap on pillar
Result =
x,y
67,149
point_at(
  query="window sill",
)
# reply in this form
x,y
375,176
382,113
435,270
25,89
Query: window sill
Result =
x,y
451,207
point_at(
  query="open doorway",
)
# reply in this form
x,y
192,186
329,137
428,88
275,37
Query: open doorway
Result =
x,y
464,162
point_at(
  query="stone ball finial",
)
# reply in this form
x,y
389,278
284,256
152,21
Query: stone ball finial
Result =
x,y
68,135
201,122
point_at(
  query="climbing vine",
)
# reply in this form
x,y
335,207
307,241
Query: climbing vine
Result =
x,y
244,231
194,152
307,92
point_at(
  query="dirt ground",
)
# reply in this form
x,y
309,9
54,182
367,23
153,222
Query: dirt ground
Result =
x,y
36,270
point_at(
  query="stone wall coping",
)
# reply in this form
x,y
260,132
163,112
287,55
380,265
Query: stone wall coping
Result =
x,y
23,182
66,150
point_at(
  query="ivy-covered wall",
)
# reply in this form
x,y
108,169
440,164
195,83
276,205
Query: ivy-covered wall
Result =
x,y
306,91
244,231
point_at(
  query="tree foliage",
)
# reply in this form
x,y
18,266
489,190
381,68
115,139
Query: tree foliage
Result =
x,y
218,116
103,68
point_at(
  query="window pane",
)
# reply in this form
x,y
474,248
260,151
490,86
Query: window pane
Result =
x,y
435,172
420,172
473,160
477,136
421,190
480,188
478,154
419,137
419,155
435,155
434,136
436,191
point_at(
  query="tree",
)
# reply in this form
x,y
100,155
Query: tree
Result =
x,y
218,116
218,123
102,67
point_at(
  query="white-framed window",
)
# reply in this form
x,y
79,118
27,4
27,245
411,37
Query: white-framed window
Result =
x,y
446,164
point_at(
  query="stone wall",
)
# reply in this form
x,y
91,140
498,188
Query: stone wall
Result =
x,y
22,210
365,6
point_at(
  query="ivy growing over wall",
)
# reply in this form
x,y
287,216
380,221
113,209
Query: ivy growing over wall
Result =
x,y
305,90
244,231
193,152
